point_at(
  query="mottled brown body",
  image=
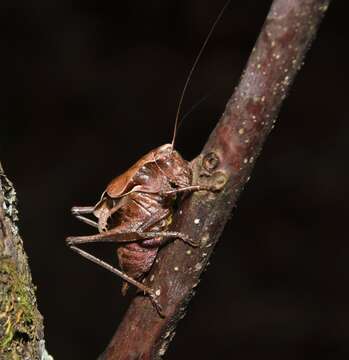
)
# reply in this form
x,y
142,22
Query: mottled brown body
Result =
x,y
137,201
136,210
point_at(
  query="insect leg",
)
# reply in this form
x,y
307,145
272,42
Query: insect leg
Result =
x,y
191,188
166,235
78,210
87,221
127,236
124,276
108,236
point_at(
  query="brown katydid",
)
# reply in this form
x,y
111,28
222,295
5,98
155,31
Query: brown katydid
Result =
x,y
136,208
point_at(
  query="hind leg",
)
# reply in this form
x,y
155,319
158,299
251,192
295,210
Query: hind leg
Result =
x,y
125,277
125,234
127,237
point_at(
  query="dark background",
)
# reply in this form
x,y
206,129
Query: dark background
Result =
x,y
90,86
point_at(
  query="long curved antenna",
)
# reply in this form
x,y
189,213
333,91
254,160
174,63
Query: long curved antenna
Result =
x,y
193,108
198,103
192,70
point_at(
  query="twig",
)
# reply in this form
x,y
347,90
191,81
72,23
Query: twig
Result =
x,y
21,325
226,160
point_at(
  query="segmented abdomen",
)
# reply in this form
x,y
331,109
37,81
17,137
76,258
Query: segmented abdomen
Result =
x,y
136,258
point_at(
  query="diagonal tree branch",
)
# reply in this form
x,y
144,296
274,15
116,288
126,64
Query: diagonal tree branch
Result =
x,y
21,325
226,160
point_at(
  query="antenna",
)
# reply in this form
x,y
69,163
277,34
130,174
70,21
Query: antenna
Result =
x,y
193,68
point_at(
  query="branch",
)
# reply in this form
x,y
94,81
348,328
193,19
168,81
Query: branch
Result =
x,y
226,160
21,325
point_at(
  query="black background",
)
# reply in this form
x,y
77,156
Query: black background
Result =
x,y
90,86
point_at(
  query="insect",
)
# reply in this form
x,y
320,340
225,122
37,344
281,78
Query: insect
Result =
x,y
136,209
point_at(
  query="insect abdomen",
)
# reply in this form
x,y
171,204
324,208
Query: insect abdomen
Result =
x,y
136,260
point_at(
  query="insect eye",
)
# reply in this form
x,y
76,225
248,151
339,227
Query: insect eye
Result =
x,y
172,183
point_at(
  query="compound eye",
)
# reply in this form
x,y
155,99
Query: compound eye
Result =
x,y
173,183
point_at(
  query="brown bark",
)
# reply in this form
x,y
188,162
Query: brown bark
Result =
x,y
227,159
21,325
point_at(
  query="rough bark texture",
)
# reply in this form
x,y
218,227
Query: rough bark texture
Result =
x,y
21,325
227,159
